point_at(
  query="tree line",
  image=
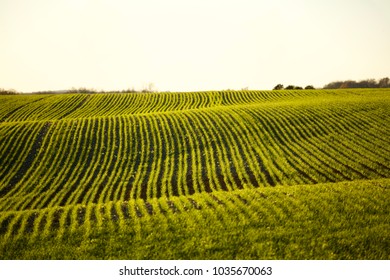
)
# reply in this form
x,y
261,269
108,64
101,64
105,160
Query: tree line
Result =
x,y
148,89
7,91
280,86
369,83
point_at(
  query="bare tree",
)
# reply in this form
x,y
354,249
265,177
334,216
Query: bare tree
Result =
x,y
8,91
384,83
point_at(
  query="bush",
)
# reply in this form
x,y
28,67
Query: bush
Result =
x,y
278,87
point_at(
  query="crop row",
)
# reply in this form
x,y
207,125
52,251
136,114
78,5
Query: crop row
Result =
x,y
56,107
98,160
269,208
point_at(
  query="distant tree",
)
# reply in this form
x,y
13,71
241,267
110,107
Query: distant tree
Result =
x,y
349,84
82,90
148,88
333,85
7,91
129,90
278,87
384,83
309,87
368,83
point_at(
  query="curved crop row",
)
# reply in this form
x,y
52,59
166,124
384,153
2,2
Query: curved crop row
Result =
x,y
146,156
268,208
56,107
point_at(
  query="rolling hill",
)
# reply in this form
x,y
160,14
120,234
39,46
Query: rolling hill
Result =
x,y
229,174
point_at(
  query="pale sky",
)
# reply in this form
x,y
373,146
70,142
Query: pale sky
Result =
x,y
191,45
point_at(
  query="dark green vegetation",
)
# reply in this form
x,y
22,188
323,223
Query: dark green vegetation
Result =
x,y
188,175
369,83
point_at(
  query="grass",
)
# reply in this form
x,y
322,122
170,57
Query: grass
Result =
x,y
346,220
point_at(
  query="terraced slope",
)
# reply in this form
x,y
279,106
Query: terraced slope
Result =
x,y
63,154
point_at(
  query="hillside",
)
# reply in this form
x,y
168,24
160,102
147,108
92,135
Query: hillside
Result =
x,y
75,165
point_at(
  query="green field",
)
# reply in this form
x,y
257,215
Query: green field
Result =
x,y
206,175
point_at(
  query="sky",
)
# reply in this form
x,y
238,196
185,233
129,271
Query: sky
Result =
x,y
191,45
